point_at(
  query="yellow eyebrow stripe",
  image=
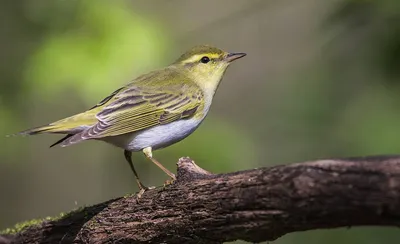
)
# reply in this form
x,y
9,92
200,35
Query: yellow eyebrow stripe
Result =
x,y
197,57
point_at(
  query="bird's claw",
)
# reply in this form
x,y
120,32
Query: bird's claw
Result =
x,y
169,182
142,191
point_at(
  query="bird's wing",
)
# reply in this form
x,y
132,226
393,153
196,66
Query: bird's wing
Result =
x,y
139,107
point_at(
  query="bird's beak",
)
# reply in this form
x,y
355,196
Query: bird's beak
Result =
x,y
233,56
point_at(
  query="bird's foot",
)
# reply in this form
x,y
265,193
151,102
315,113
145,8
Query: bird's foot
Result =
x,y
142,190
140,193
169,182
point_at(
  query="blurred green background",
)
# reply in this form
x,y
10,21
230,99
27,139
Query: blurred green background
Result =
x,y
321,80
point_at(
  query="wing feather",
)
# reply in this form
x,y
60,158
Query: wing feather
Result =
x,y
131,117
142,105
123,116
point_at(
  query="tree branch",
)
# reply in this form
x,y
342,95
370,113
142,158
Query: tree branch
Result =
x,y
253,205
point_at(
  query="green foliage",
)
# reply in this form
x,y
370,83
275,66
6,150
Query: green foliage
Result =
x,y
104,48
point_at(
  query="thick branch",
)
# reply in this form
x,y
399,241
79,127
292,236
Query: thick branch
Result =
x,y
254,205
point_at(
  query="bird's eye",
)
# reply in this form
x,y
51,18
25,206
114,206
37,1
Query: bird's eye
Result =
x,y
205,59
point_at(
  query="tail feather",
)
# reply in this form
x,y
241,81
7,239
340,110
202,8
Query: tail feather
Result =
x,y
42,129
61,140
72,139
65,141
70,126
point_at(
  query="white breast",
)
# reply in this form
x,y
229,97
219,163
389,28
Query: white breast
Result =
x,y
163,135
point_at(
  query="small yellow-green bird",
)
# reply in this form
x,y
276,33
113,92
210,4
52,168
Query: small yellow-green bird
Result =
x,y
154,110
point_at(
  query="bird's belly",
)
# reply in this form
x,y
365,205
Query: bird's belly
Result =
x,y
156,137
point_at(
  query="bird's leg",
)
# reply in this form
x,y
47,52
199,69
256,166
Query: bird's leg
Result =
x,y
147,151
142,188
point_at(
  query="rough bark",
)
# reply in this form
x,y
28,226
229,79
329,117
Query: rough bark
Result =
x,y
253,205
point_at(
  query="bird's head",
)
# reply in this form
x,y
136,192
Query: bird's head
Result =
x,y
206,65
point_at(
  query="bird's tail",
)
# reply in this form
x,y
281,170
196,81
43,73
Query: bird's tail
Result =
x,y
47,129
70,125
51,128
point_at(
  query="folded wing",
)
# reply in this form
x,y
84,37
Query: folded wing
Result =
x,y
137,108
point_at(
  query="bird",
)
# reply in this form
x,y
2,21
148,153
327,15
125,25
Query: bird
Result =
x,y
152,111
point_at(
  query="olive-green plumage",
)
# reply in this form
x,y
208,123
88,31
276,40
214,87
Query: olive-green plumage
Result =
x,y
137,106
154,110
